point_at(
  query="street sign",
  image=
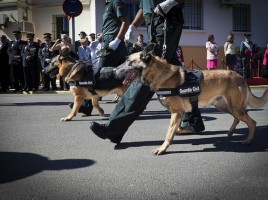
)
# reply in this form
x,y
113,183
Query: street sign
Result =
x,y
72,8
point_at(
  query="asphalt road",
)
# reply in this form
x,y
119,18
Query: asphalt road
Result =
x,y
43,158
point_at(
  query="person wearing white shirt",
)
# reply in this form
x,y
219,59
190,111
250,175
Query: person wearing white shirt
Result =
x,y
96,48
229,52
84,52
212,53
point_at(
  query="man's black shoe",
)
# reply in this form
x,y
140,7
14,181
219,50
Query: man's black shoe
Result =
x,y
83,109
104,132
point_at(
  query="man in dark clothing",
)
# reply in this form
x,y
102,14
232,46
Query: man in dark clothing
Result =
x,y
138,95
45,56
15,60
4,75
115,26
30,63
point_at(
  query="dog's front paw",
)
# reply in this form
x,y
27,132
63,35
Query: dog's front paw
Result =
x,y
64,119
161,150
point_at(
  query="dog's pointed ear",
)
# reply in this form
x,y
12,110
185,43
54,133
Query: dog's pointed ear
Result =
x,y
147,53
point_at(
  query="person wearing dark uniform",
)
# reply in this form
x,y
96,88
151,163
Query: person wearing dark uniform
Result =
x,y
15,60
115,25
45,56
5,72
246,52
30,63
138,95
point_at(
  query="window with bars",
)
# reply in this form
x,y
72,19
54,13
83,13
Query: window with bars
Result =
x,y
242,18
193,15
59,23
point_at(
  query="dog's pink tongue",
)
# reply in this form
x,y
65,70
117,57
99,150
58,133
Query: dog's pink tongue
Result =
x,y
130,77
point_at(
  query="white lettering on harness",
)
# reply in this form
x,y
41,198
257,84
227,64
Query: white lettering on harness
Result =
x,y
85,82
190,90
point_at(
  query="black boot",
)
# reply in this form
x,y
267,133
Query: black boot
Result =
x,y
86,107
104,132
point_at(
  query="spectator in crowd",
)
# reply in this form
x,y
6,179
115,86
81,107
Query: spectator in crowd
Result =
x,y
64,46
246,52
212,53
84,51
92,37
257,61
82,35
139,45
45,56
15,60
129,46
30,63
4,58
138,95
96,48
180,56
229,52
265,63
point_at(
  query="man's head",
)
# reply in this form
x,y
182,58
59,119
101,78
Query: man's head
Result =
x,y
92,36
17,34
82,35
140,37
247,36
30,37
47,37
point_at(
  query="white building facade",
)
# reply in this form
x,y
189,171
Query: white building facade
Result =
x,y
202,18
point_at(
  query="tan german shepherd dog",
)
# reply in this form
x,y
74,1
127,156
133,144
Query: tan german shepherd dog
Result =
x,y
225,89
109,82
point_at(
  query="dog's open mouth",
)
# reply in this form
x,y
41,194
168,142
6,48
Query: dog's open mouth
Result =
x,y
131,76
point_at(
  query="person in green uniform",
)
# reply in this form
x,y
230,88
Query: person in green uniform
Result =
x,y
138,95
115,26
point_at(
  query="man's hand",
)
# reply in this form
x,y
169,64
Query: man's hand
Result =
x,y
114,44
130,34
164,7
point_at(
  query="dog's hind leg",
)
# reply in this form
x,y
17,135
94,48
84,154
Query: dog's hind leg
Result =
x,y
173,126
77,103
221,105
95,103
244,117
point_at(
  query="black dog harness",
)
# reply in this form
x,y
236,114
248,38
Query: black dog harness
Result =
x,y
87,80
190,88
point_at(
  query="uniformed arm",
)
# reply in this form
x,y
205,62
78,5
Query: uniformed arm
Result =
x,y
138,20
121,34
124,27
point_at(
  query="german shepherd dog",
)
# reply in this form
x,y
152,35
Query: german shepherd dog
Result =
x,y
224,89
109,81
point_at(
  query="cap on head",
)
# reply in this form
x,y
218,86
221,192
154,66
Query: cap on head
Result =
x,y
47,35
30,35
82,33
16,32
247,35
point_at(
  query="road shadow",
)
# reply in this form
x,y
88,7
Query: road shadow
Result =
x,y
222,143
15,166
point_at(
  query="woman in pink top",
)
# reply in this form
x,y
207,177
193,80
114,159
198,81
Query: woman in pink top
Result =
x,y
212,53
265,63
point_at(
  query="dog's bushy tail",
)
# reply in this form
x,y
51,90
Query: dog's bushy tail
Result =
x,y
257,102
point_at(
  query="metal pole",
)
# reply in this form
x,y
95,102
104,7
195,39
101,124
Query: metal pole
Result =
x,y
73,34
